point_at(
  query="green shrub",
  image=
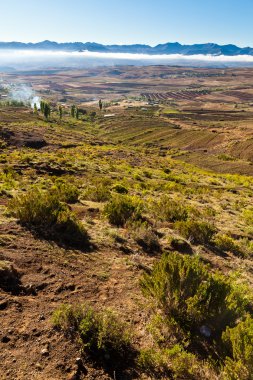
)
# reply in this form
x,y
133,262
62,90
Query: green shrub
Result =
x,y
101,334
145,237
185,290
175,361
248,216
239,344
198,232
226,243
170,210
120,189
51,218
121,208
67,192
99,192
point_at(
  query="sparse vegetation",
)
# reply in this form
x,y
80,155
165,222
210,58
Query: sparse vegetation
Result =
x,y
122,208
158,195
170,210
198,232
146,237
44,212
101,334
190,294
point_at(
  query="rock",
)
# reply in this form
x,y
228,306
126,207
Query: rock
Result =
x,y
44,352
206,331
30,289
79,361
38,366
9,277
70,287
181,245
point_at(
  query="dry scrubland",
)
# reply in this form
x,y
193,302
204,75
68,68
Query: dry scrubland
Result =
x,y
126,241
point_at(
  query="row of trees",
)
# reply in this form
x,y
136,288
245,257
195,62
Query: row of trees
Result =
x,y
75,112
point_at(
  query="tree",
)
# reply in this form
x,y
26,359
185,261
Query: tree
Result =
x,y
42,106
77,113
60,112
35,108
73,111
47,110
100,104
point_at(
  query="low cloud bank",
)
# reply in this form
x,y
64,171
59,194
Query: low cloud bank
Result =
x,y
25,59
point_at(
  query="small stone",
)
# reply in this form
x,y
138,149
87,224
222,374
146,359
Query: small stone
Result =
x,y
38,366
42,317
78,361
44,352
206,331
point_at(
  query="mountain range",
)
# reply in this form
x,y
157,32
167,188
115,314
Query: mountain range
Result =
x,y
167,48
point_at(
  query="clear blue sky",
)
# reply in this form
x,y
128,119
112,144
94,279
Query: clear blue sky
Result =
x,y
128,21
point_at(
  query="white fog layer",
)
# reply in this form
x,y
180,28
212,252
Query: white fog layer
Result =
x,y
28,59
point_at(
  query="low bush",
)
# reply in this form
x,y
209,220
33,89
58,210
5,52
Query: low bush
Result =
x,y
67,192
174,362
185,289
239,343
248,216
99,192
120,189
43,212
121,208
101,334
170,210
198,232
146,237
227,244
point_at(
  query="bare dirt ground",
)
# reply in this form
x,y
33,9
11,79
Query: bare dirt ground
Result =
x,y
30,347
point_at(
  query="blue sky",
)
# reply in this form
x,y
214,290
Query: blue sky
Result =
x,y
128,21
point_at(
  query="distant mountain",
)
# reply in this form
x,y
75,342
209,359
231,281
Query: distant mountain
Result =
x,y
168,48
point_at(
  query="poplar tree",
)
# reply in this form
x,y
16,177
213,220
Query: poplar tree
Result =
x,y
73,111
42,106
60,112
47,110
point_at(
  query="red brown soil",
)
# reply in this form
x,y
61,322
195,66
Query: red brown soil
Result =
x,y
50,277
